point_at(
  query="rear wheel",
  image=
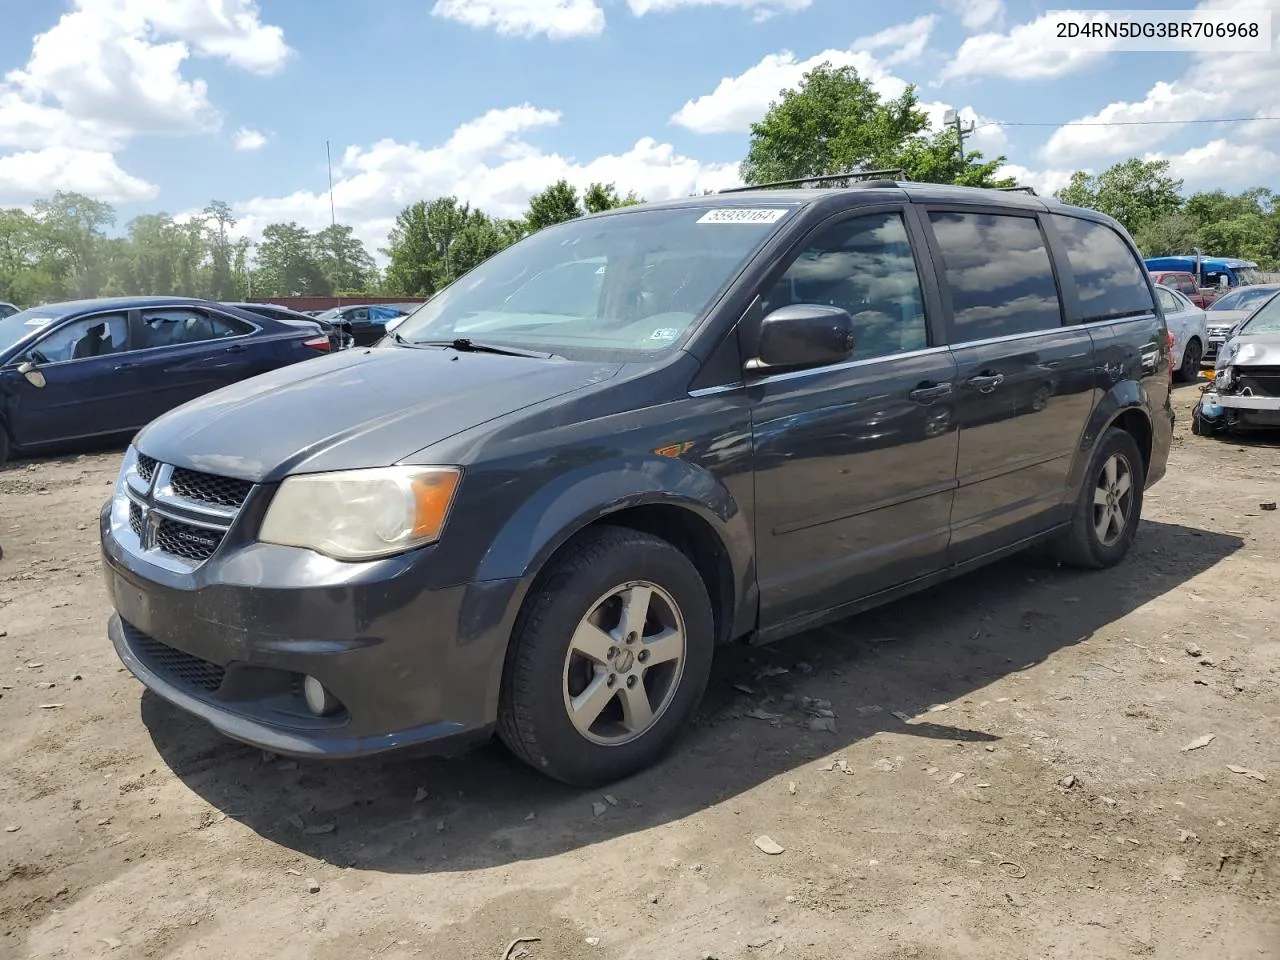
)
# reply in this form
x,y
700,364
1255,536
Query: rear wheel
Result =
x,y
609,659
1191,356
1109,505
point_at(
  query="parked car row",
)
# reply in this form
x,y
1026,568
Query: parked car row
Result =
x,y
104,368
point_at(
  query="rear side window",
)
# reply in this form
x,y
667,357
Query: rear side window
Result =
x,y
1109,278
1168,301
1000,275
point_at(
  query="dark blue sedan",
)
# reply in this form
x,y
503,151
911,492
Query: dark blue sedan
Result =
x,y
102,368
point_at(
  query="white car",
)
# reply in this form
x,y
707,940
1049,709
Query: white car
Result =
x,y
1190,329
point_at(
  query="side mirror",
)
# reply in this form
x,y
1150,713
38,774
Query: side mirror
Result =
x,y
29,370
804,335
1223,281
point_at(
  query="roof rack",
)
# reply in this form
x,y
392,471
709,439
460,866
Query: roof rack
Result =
x,y
1030,190
879,178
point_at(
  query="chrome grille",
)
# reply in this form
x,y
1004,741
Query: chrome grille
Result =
x,y
145,466
208,488
177,517
187,540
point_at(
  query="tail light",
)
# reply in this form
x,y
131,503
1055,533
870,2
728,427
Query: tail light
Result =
x,y
317,343
1172,341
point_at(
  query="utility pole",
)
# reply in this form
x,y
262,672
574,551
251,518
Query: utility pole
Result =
x,y
952,119
333,217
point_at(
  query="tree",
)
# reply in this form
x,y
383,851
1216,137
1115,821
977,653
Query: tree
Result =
x,y
432,244
1134,191
1168,236
937,159
287,265
221,284
343,260
599,197
556,204
71,234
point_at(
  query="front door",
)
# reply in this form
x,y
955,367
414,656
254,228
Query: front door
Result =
x,y
85,393
854,462
1025,383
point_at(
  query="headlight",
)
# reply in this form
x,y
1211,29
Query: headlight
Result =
x,y
362,514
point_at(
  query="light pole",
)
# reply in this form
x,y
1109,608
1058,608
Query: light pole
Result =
x,y
952,119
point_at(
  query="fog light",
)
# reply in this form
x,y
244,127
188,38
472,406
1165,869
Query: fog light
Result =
x,y
319,700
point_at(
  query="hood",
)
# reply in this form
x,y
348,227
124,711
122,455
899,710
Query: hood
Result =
x,y
357,408
1225,318
1259,350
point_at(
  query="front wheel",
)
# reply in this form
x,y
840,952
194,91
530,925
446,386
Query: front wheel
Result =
x,y
1108,507
609,659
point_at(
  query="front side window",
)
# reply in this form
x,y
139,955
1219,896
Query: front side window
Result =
x,y
1000,275
625,285
1169,280
1188,287
864,266
1110,280
83,339
177,327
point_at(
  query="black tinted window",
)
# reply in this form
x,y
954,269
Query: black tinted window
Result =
x,y
999,272
1109,278
864,266
168,328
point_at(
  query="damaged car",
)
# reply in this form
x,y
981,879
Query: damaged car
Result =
x,y
1245,393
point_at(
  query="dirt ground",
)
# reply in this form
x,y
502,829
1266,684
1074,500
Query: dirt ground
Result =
x,y
1011,776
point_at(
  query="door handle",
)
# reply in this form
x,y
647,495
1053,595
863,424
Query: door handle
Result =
x,y
236,348
127,365
928,391
986,382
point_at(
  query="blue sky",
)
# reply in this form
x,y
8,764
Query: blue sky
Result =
x,y
164,104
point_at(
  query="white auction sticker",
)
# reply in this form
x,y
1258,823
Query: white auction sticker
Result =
x,y
743,215
39,321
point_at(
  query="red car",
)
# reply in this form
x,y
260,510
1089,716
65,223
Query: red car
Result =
x,y
1185,284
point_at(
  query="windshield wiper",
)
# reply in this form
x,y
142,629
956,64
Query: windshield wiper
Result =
x,y
467,345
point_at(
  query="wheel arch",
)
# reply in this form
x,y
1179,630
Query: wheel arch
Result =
x,y
1123,406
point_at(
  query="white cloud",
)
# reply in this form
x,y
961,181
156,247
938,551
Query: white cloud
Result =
x,y
1222,164
487,162
111,70
737,102
557,19
1027,52
37,173
761,9
1216,85
906,40
1045,182
976,14
246,139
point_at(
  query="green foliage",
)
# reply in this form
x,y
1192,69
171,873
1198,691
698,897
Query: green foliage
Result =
x,y
599,197
556,204
1143,197
432,244
834,122
1135,192
61,250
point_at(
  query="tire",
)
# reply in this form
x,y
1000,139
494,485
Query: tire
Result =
x,y
1189,372
585,595
5,448
1082,545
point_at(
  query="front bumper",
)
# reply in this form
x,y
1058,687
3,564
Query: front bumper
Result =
x,y
411,664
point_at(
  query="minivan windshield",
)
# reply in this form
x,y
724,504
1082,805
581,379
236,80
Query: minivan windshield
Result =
x,y
1266,319
21,325
627,285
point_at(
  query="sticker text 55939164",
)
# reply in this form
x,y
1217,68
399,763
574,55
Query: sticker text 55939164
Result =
x,y
744,215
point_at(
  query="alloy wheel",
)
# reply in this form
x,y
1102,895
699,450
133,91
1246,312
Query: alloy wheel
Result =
x,y
1113,499
624,663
